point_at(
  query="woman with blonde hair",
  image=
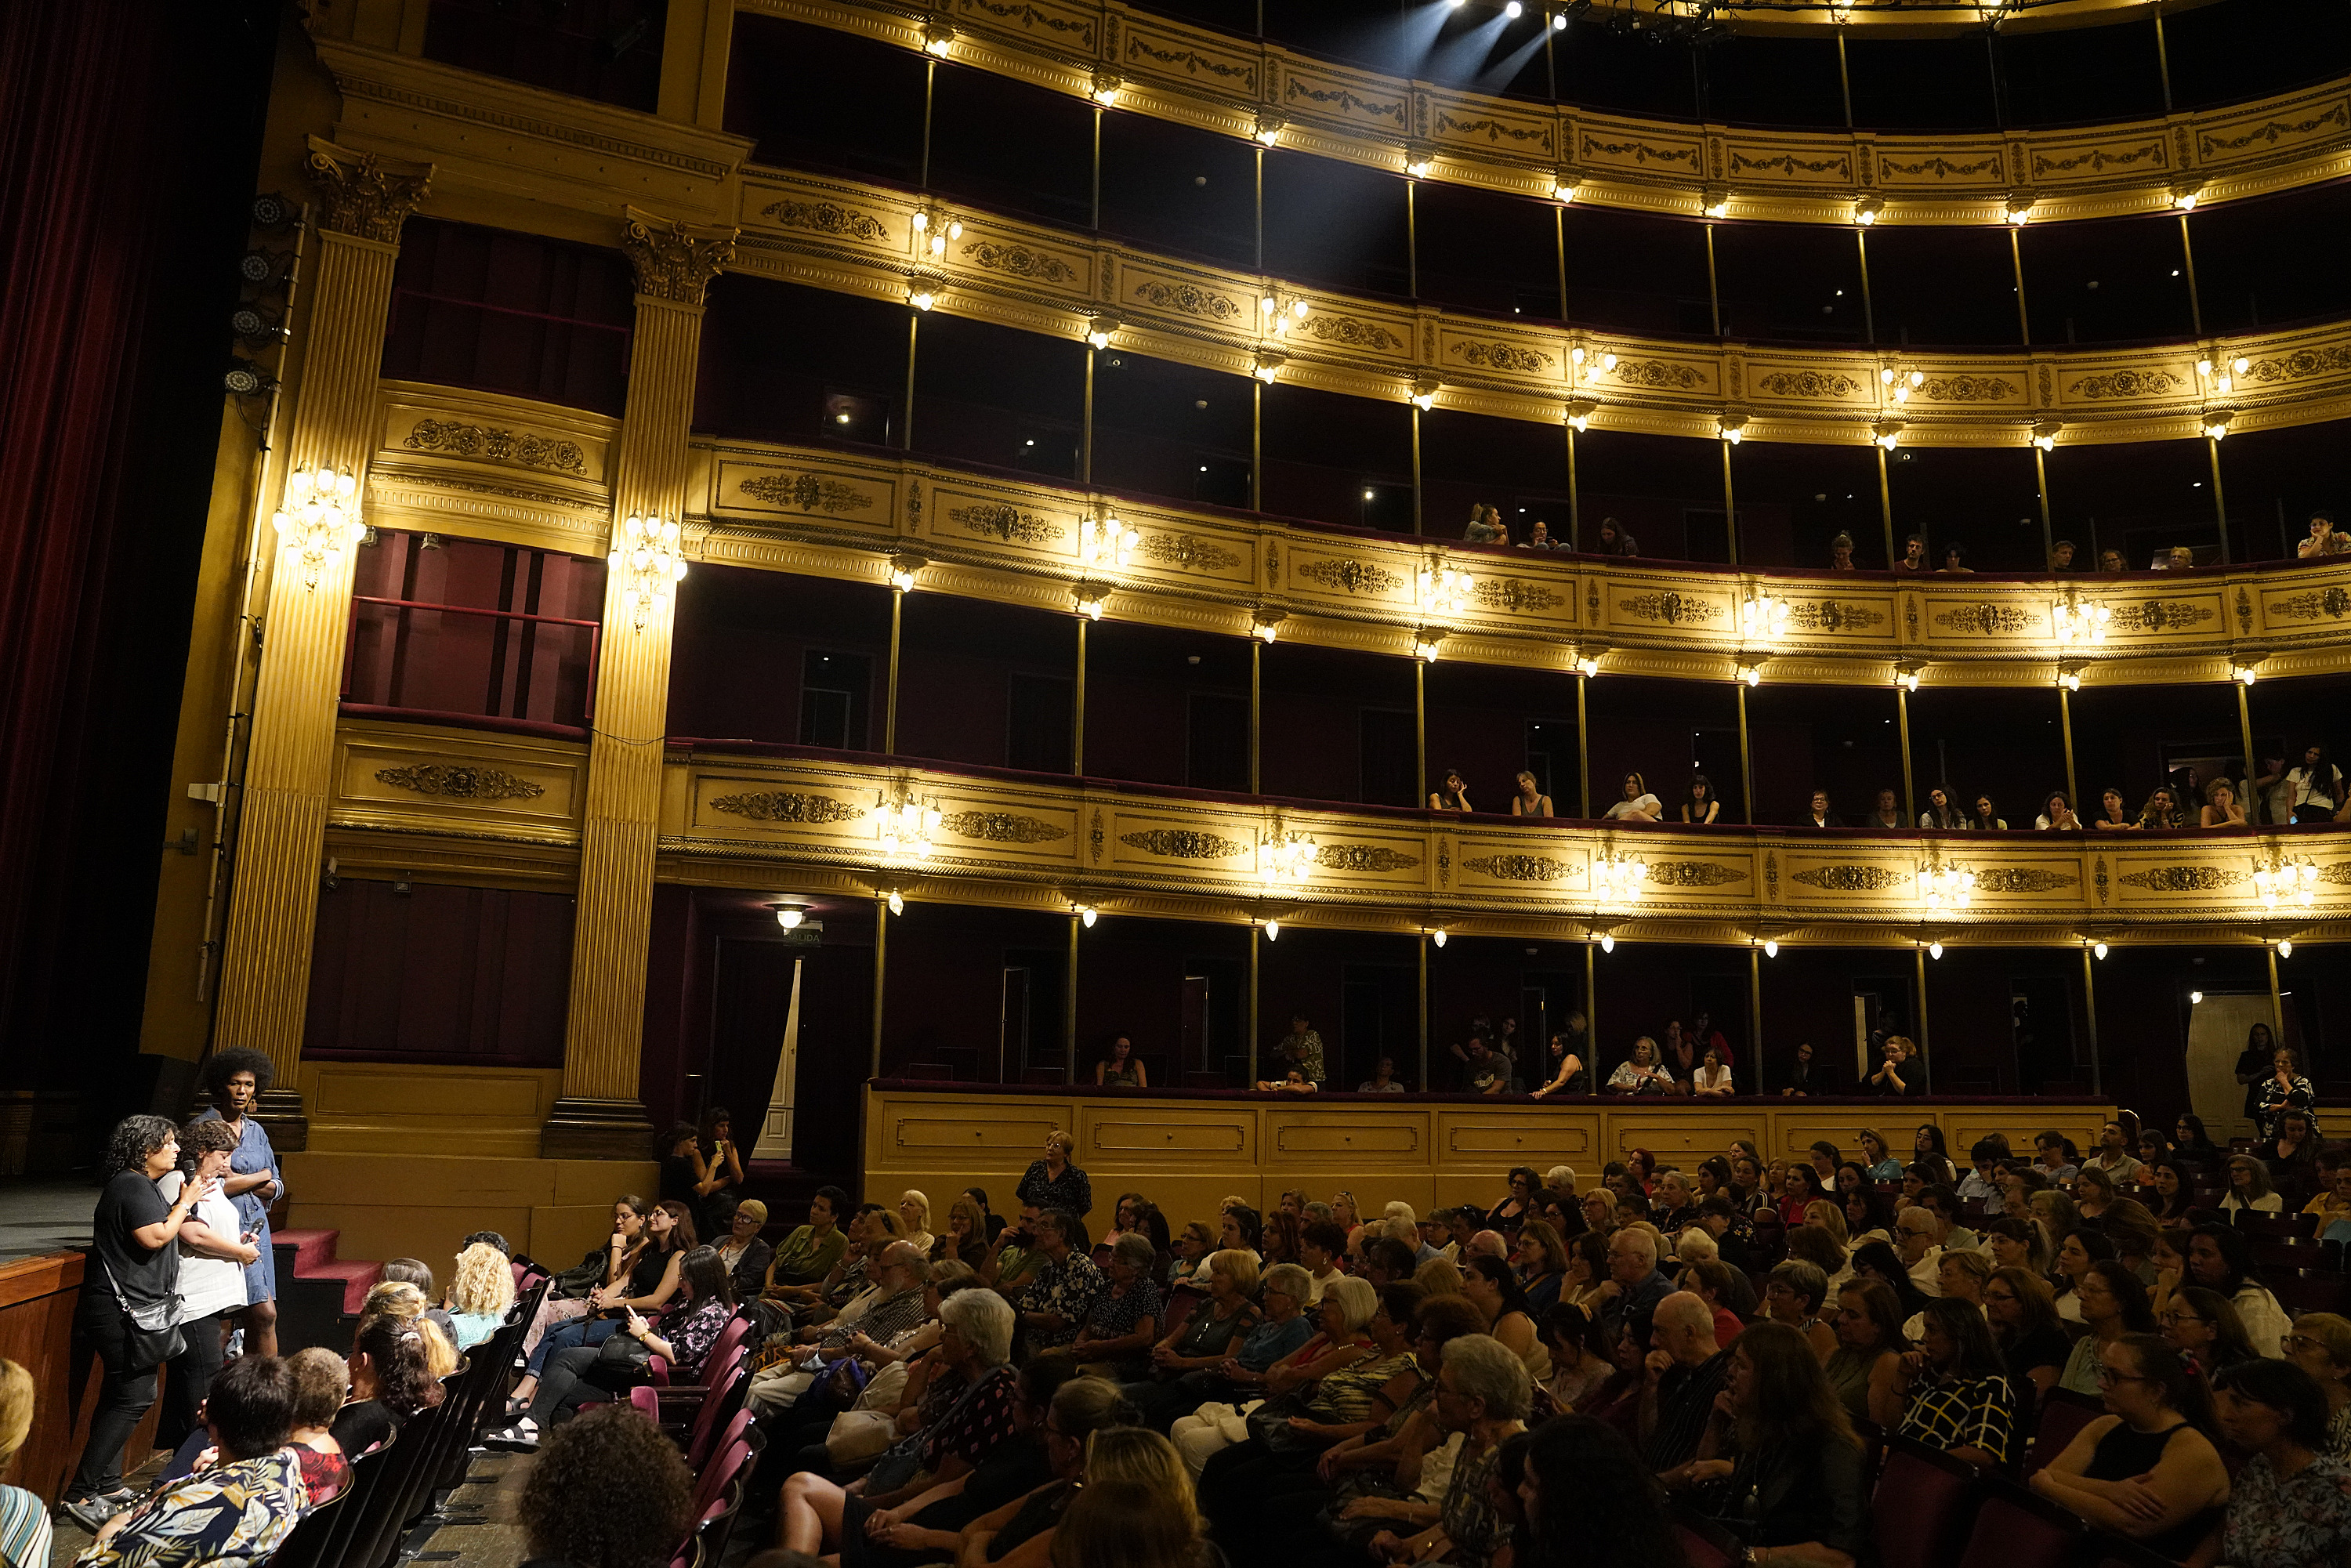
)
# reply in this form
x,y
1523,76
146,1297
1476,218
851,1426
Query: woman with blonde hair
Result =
x,y
965,1238
914,1218
24,1518
1121,1523
1438,1277
406,1302
2320,1344
1020,1533
480,1292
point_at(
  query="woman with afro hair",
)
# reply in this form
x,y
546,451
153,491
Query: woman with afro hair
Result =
x,y
234,1081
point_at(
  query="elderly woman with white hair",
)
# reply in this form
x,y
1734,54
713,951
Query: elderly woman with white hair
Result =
x,y
966,1409
1484,1393
1341,1315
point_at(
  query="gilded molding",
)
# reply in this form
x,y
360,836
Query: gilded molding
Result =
x,y
1519,868
456,781
1002,827
1851,878
522,451
365,195
1363,857
1179,843
1198,77
786,806
809,492
675,260
2183,878
1010,524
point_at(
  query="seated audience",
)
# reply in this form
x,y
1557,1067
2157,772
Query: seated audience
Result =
x,y
1341,1316
2220,1258
1703,805
1684,1372
571,1509
1959,1396
1129,1524
1638,806
23,1520
1866,1368
390,1382
1786,1446
321,1381
1590,1502
1483,1393
2202,1325
239,1507
2146,1470
1529,802
2291,1503
2114,1305
481,1292
1123,1324
2031,1336
592,1374
1453,797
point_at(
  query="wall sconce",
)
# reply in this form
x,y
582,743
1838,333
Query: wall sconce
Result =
x,y
1888,432
1935,950
1947,887
2076,622
1269,127
1577,357
2184,197
2070,679
2285,947
1106,542
1901,382
314,524
1580,411
934,223
1085,913
1099,329
1418,159
1267,625
2098,950
647,553
1437,935
1273,929
2245,674
903,572
1284,857
1732,427
1907,679
1618,878
1088,598
903,827
2223,377
1267,365
1442,591
2216,425
2020,208
1715,202
1587,666
1106,86
921,294
1564,186
1425,646
2044,432
1607,942
2289,877
1762,618
1424,394
1752,675
1770,948
897,902
1866,208
939,37
788,915
1279,313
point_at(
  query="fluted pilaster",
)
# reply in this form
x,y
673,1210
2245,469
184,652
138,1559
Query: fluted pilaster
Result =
x,y
600,1115
265,963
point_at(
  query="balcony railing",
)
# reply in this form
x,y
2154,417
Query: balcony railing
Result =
x,y
457,664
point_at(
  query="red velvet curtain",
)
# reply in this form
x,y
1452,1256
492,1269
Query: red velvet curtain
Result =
x,y
126,148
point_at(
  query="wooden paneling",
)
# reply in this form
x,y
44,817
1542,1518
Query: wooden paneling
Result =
x,y
37,1297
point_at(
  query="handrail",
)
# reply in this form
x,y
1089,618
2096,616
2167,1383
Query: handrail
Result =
x,y
595,630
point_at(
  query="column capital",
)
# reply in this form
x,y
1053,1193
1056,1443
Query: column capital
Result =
x,y
675,260
366,195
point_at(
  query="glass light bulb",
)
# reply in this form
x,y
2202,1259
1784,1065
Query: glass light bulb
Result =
x,y
1934,949
1272,930
1608,943
790,919
1771,949
897,904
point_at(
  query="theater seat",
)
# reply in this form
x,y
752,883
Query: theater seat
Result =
x,y
2014,1528
1921,1505
2063,1414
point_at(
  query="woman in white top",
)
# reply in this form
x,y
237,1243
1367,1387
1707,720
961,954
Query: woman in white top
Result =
x,y
1940,815
2249,1188
213,1256
2057,812
1638,806
1712,1077
1641,1073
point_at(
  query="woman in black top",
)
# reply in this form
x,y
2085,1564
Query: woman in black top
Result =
x,y
133,1275
1803,1078
1454,796
2160,1409
1784,1441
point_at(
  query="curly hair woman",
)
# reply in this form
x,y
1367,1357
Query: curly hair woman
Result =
x,y
234,1081
607,1491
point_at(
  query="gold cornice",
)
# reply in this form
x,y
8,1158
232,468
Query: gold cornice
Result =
x,y
828,513
517,157
1026,844
364,196
1214,81
855,237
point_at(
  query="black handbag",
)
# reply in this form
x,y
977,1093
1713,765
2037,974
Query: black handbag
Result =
x,y
626,1354
151,1336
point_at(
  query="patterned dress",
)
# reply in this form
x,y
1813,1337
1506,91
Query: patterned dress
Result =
x,y
2288,1522
234,1514
1069,1288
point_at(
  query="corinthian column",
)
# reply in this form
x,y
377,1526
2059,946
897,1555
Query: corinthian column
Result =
x,y
600,1115
282,819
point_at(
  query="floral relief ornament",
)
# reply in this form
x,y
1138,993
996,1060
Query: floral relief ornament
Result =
x,y
675,260
367,196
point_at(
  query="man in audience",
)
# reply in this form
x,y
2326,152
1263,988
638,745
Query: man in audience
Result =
x,y
1917,1233
1719,1217
1682,1376
2115,1158
1461,1222
1981,1185
1635,1285
809,1253
1488,1244
1301,1049
1012,1258
2061,556
1914,555
607,1491
1386,1260
1482,1072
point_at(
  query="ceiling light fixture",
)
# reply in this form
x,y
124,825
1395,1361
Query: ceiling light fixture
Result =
x,y
2098,949
1269,127
1099,330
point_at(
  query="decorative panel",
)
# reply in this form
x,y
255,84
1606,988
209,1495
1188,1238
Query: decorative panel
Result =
x,y
476,783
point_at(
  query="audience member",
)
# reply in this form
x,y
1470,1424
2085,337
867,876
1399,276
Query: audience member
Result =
x,y
608,1455
24,1520
239,1507
2154,1436
1796,1461
1637,805
1959,1396
1053,1183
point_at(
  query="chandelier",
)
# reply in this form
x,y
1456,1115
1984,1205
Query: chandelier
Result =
x,y
2078,622
1106,542
1762,618
1285,857
648,560
315,522
1443,590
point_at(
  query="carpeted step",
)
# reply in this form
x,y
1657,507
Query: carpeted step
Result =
x,y
312,1248
357,1278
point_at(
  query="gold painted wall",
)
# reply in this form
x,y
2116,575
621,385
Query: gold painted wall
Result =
x,y
1186,1154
